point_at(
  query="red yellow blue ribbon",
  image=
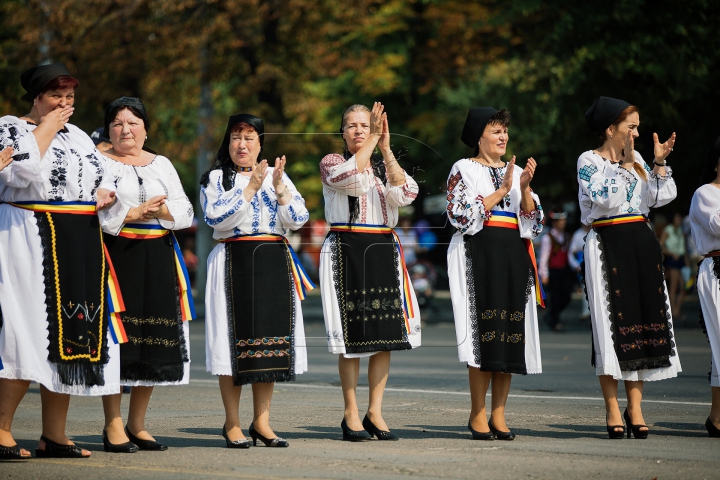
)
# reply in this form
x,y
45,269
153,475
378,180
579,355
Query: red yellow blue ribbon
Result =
x,y
140,231
510,220
115,303
301,280
77,208
618,220
408,308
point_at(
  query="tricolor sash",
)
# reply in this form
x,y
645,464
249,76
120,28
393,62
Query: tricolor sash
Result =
x,y
509,220
140,231
114,296
714,253
618,220
408,309
301,280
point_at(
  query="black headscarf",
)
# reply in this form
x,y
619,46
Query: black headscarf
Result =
x,y
475,123
710,172
133,104
603,112
223,160
34,79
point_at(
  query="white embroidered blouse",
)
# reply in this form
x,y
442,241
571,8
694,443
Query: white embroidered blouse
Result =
x,y
606,189
70,171
135,185
229,214
379,201
705,219
470,182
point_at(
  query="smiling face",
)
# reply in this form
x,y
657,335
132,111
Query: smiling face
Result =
x,y
356,130
244,147
493,141
52,99
127,132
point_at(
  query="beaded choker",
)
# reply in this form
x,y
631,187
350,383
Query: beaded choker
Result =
x,y
244,169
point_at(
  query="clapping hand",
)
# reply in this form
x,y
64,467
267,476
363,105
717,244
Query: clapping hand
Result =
x,y
628,151
257,177
384,143
507,181
152,208
377,119
662,150
527,174
278,172
6,157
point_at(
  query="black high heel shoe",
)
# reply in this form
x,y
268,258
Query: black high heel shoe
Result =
x,y
713,431
126,447
269,442
354,435
500,435
373,430
612,433
480,435
145,444
234,443
635,429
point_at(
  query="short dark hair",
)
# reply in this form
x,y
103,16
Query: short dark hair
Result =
x,y
60,83
502,118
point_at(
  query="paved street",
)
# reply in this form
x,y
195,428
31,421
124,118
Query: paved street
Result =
x,y
558,418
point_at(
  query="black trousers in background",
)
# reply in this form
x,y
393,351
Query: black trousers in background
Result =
x,y
560,287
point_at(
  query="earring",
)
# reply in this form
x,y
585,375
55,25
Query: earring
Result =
x,y
611,136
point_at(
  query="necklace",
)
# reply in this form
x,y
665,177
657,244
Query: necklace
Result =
x,y
244,169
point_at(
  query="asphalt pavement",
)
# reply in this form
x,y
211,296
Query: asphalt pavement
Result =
x,y
558,417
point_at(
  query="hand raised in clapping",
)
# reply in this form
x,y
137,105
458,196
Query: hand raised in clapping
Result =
x,y
377,119
384,143
507,181
629,150
662,150
527,174
256,180
148,210
278,172
6,157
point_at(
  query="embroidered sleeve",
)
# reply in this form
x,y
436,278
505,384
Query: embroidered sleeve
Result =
x,y
27,163
465,210
604,185
402,195
177,202
705,210
112,219
343,175
661,189
531,223
222,209
294,214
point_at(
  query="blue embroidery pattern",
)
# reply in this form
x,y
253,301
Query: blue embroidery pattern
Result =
x,y
221,202
631,189
272,208
255,204
586,172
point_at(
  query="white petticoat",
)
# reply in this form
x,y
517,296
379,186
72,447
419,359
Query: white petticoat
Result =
x,y
217,344
24,336
606,361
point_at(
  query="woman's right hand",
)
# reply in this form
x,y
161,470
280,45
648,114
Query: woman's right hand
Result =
x,y
377,118
6,157
628,151
507,181
256,180
58,117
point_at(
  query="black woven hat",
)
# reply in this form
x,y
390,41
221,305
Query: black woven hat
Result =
x,y
603,112
477,119
34,79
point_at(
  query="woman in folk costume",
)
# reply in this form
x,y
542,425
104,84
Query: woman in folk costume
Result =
x,y
369,304
150,270
53,267
494,285
633,337
705,225
253,320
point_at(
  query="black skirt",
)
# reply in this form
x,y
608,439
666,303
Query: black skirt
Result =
x,y
156,349
75,273
368,290
500,281
639,312
261,311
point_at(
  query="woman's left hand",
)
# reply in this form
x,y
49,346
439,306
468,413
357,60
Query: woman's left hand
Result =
x,y
527,174
105,199
662,150
278,172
